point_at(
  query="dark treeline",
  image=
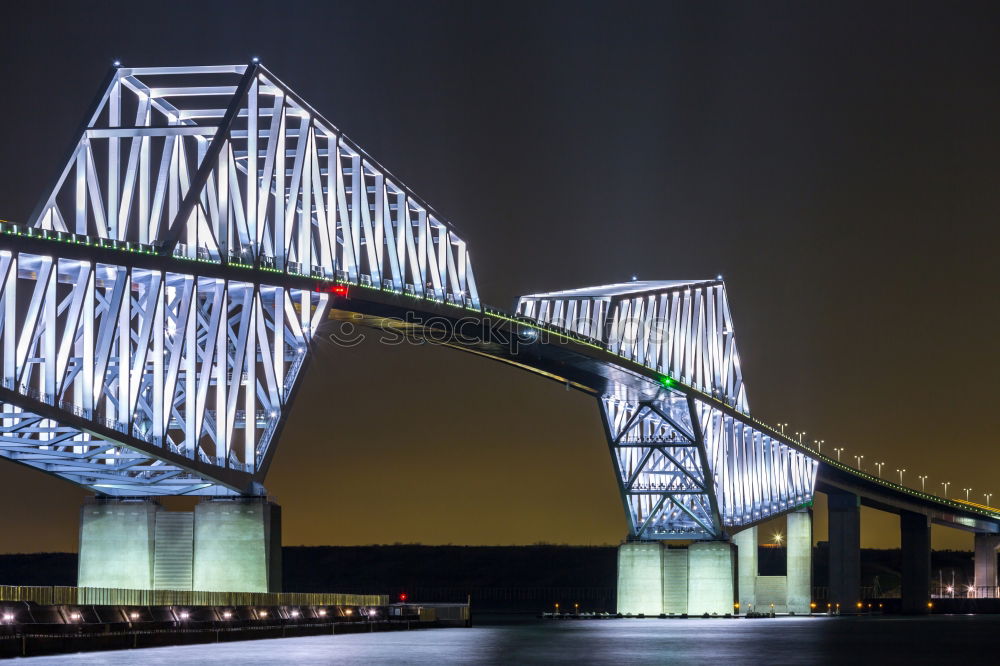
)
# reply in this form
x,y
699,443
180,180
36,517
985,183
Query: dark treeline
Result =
x,y
453,571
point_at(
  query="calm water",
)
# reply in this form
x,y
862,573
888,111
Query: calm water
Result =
x,y
884,640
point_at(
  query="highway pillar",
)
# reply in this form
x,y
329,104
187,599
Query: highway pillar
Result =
x,y
845,550
711,578
986,564
117,543
237,545
640,578
799,563
746,568
915,547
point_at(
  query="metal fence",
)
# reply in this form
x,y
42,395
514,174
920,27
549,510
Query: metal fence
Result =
x,y
102,596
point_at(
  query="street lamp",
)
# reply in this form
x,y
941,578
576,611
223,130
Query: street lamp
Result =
x,y
901,472
923,482
859,459
879,465
839,451
782,426
988,496
967,491
798,435
819,445
946,484
778,538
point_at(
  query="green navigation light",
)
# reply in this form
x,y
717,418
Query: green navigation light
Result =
x,y
667,381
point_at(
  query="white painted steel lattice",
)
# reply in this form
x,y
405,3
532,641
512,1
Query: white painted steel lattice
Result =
x,y
177,372
227,164
686,467
681,328
130,380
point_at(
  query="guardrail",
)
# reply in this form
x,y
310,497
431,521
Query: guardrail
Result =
x,y
102,596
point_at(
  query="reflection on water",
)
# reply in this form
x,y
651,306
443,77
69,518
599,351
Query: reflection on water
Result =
x,y
819,640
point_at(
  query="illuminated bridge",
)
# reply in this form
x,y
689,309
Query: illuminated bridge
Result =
x,y
208,226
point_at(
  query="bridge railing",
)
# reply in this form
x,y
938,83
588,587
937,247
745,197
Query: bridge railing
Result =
x,y
100,596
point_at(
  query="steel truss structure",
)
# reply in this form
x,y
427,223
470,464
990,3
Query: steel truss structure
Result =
x,y
138,381
157,312
681,328
169,371
686,469
227,164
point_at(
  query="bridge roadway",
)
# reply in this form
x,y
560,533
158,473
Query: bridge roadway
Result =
x,y
580,363
586,365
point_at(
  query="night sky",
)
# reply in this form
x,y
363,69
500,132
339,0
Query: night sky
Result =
x,y
838,163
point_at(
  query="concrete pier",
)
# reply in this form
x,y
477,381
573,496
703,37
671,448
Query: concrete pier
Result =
x,y
915,546
225,545
117,540
986,564
711,577
791,593
237,545
798,573
640,578
845,549
747,568
655,579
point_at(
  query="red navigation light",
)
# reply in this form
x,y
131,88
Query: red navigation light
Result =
x,y
402,597
335,289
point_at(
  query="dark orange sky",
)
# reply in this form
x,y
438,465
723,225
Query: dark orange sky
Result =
x,y
838,164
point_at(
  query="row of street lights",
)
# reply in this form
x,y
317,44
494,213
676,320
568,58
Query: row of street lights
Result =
x,y
859,459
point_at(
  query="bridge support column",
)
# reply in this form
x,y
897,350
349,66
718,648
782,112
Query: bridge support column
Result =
x,y
711,578
237,545
226,545
845,550
746,568
654,579
986,564
798,573
117,543
915,547
640,578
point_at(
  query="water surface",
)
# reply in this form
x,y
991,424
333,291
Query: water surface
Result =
x,y
940,639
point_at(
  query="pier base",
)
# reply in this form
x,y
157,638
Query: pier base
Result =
x,y
225,545
237,545
654,579
798,571
791,593
640,578
711,573
747,568
117,540
915,548
845,550
986,564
